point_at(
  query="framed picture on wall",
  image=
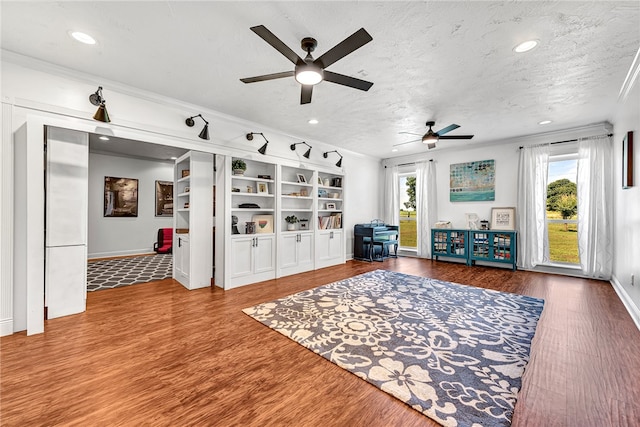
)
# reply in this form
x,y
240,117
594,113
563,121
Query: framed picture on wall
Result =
x,y
627,160
120,197
164,198
503,218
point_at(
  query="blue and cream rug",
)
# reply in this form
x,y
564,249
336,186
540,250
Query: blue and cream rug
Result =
x,y
456,353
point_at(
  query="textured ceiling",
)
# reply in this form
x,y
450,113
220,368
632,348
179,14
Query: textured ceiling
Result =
x,y
446,61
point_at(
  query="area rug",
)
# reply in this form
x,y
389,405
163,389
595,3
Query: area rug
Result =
x,y
118,272
453,352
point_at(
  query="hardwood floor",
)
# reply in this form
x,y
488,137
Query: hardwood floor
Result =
x,y
158,354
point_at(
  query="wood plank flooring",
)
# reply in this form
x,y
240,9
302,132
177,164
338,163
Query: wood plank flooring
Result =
x,y
158,354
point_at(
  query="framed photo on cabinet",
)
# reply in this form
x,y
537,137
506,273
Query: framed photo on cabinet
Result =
x,y
301,178
263,188
503,218
264,223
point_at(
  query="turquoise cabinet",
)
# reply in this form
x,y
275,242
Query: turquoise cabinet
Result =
x,y
449,243
475,245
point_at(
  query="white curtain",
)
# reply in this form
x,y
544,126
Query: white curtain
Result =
x,y
531,208
426,205
391,208
595,207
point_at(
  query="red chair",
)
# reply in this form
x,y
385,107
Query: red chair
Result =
x,y
165,241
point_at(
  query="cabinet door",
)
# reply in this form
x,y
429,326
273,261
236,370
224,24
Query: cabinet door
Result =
x,y
289,251
305,249
181,259
264,254
336,247
242,254
330,245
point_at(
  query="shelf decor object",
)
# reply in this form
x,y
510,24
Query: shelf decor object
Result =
x,y
204,134
96,99
503,218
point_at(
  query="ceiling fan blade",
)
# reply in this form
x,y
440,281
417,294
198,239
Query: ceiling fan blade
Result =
x,y
267,77
344,48
447,129
274,41
305,94
456,137
408,142
341,79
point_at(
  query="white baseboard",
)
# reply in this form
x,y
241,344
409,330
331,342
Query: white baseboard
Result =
x,y
631,307
6,327
144,251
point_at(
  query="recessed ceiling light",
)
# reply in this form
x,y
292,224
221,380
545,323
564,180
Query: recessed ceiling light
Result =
x,y
104,138
394,150
313,121
525,46
82,37
544,122
174,158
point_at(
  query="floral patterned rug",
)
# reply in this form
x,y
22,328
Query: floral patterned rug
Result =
x,y
456,353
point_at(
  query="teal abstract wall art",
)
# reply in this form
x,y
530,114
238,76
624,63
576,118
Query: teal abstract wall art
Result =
x,y
472,181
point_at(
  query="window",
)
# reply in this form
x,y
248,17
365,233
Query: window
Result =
x,y
407,194
562,209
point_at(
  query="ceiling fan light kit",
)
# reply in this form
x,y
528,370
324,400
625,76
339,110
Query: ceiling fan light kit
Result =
x,y
431,138
308,71
96,99
204,134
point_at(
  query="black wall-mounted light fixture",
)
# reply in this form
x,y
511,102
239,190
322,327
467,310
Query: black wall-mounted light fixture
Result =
x,y
263,149
339,164
307,154
96,99
204,134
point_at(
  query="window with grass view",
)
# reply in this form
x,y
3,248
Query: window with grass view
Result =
x,y
562,209
408,229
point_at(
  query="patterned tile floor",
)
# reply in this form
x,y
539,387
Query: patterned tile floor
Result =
x,y
114,273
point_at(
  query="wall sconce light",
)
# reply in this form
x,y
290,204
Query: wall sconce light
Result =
x,y
96,99
307,154
204,134
263,149
339,164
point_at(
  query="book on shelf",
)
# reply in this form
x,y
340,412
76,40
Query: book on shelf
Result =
x,y
332,221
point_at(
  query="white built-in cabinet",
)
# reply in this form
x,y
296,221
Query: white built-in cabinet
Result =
x,y
193,220
266,194
251,202
296,241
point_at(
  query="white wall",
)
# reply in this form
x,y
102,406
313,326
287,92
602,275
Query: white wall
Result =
x,y
627,207
113,236
506,163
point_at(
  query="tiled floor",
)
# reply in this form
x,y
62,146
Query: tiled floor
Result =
x,y
114,273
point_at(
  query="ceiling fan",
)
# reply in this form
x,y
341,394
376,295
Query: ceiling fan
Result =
x,y
308,71
430,138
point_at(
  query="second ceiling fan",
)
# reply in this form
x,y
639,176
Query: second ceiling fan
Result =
x,y
308,71
430,138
